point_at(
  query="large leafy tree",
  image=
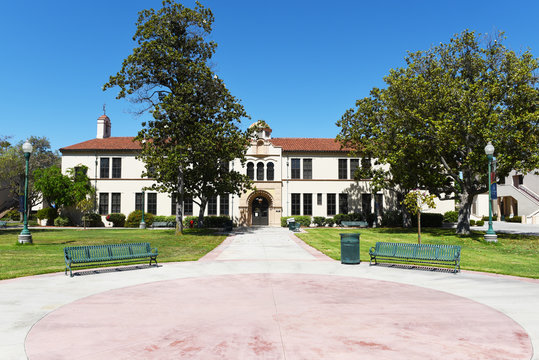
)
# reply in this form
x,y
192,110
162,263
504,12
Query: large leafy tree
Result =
x,y
194,133
63,190
431,122
13,166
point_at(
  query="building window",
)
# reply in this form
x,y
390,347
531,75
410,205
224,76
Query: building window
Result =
x,y
103,203
212,205
366,167
270,172
343,203
343,168
116,204
307,168
152,203
319,199
251,170
354,164
296,204
188,205
104,168
366,203
116,168
307,204
295,169
138,201
260,171
331,204
223,204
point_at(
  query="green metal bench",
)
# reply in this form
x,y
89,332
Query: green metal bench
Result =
x,y
362,224
164,224
76,256
416,253
3,224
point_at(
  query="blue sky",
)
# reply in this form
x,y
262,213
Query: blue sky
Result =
x,y
299,65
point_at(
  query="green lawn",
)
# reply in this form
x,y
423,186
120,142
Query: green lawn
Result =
x,y
512,255
46,254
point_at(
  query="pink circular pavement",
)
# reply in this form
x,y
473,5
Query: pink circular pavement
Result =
x,y
276,316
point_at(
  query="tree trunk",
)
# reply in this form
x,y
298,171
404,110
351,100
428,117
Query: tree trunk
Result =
x,y
419,227
463,225
179,203
203,202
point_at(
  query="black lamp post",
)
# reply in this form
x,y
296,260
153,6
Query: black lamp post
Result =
x,y
25,237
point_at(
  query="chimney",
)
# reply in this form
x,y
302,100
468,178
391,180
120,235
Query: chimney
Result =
x,y
103,127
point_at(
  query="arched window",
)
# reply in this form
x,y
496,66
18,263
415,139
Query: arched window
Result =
x,y
269,172
260,171
251,170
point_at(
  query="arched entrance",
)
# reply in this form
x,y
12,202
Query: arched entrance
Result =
x,y
260,211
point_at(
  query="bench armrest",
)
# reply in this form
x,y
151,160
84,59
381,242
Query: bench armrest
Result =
x,y
371,250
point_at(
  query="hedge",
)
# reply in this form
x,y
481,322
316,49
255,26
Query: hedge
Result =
x,y
304,221
451,216
134,219
429,220
207,221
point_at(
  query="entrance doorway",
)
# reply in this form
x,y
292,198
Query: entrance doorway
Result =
x,y
260,206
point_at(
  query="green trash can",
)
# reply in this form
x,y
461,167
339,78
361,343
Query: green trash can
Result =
x,y
350,248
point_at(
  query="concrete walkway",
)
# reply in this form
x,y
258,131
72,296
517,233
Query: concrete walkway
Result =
x,y
264,294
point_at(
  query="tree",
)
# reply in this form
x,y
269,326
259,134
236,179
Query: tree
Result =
x,y
194,133
416,201
62,190
435,116
12,167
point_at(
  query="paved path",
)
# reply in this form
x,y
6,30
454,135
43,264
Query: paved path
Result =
x,y
264,294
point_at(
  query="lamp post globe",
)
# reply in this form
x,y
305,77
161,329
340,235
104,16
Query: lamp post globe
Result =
x,y
490,235
25,237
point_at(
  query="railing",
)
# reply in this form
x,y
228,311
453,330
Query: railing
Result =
x,y
528,192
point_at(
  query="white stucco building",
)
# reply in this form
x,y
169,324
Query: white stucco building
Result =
x,y
292,176
518,195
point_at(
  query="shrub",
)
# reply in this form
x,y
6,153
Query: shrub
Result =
x,y
134,219
485,218
47,213
514,219
472,222
117,219
429,220
340,217
12,215
303,220
215,221
480,222
62,221
92,220
329,222
159,218
187,221
392,218
451,216
170,218
319,220
370,218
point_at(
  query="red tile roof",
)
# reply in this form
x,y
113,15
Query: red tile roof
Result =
x,y
287,144
309,144
111,143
